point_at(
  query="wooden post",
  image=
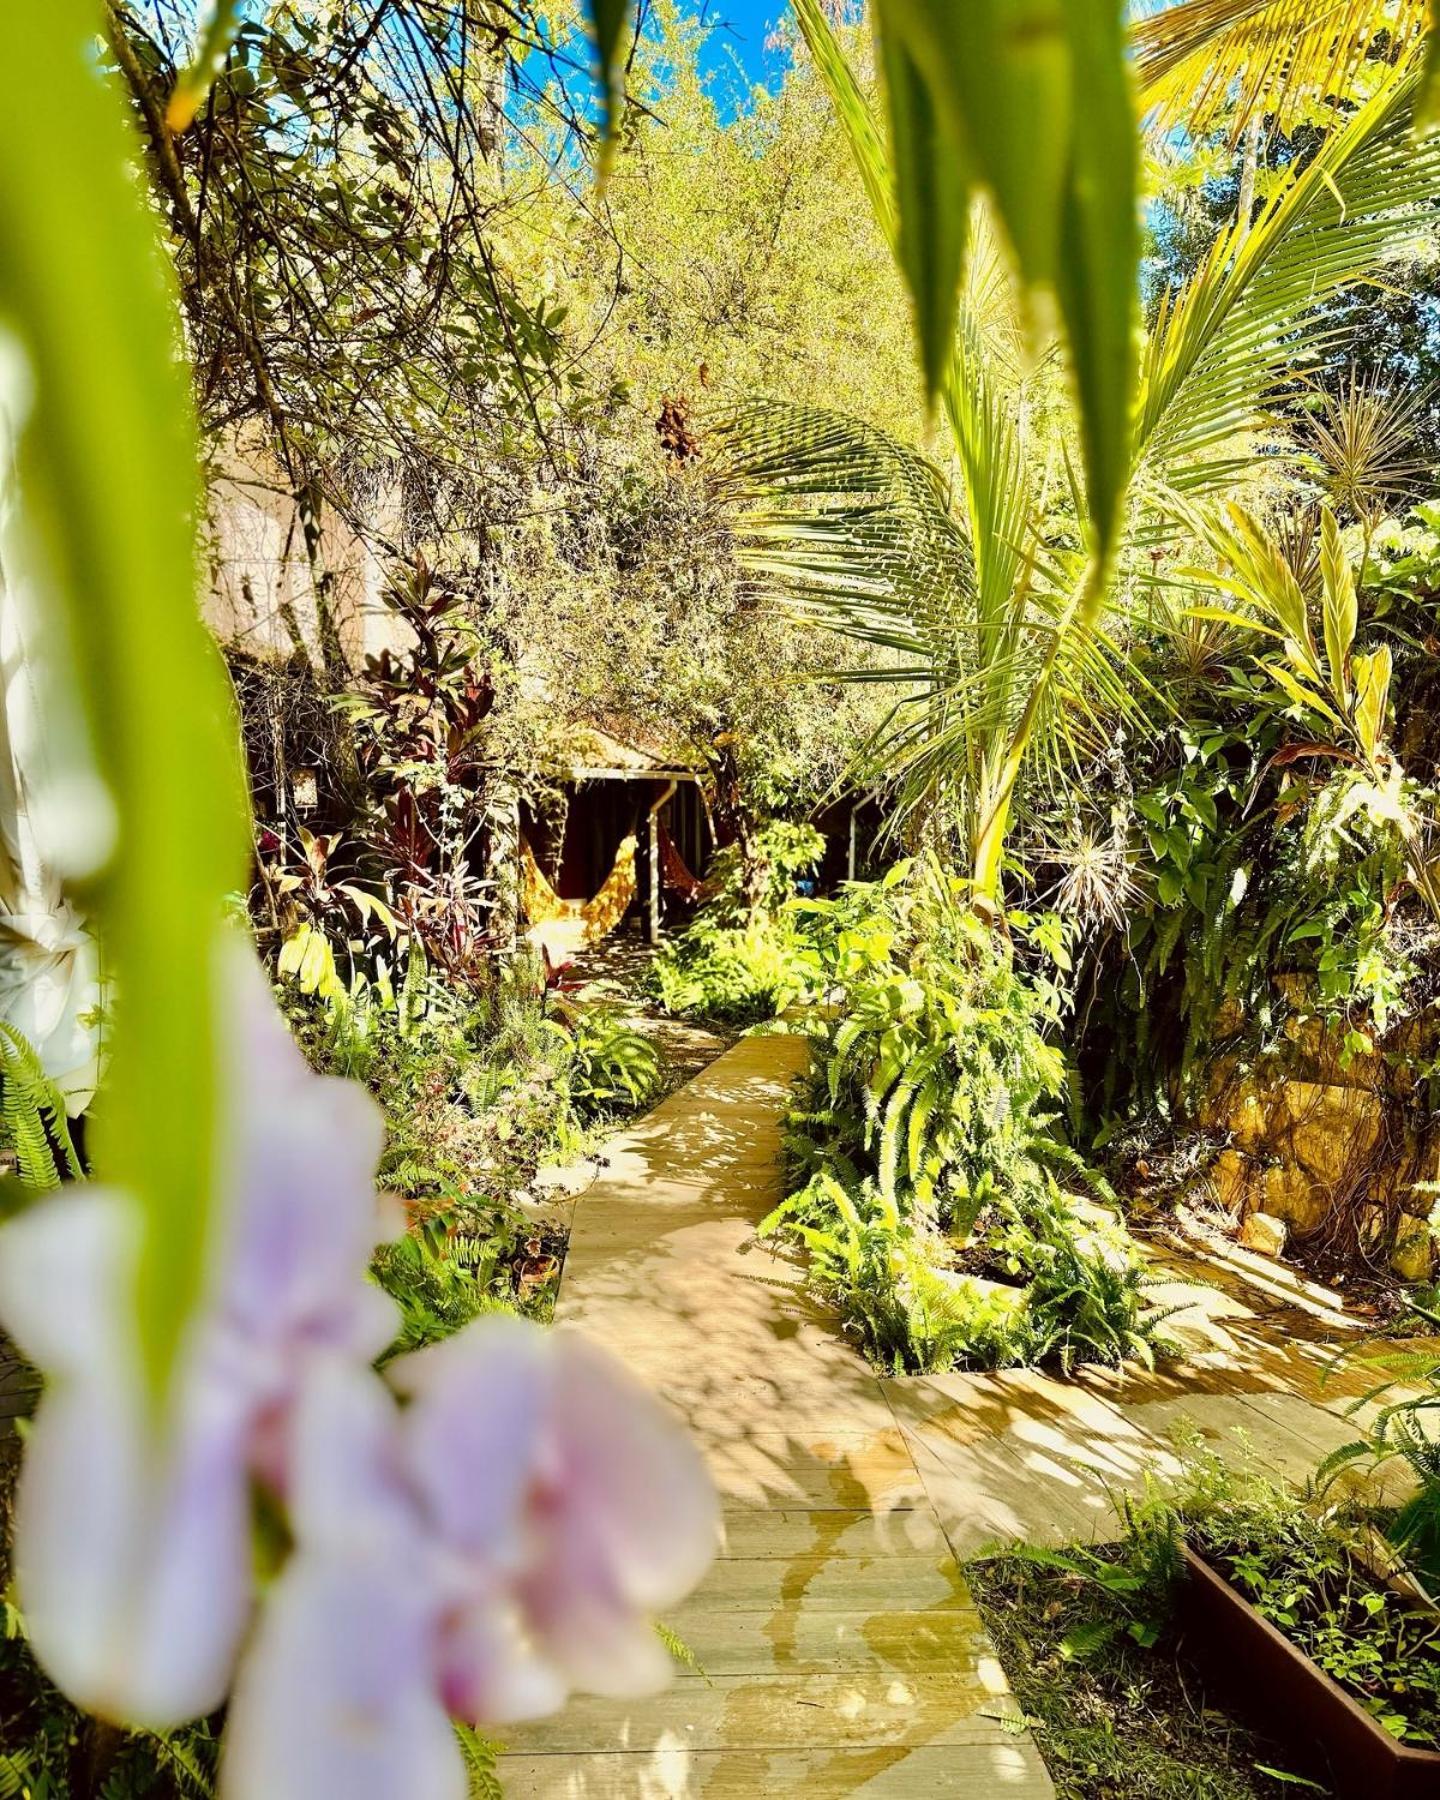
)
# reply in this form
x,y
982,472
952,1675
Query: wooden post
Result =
x,y
654,850
850,856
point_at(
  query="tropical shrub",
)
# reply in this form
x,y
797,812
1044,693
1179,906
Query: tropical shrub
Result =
x,y
923,1147
749,954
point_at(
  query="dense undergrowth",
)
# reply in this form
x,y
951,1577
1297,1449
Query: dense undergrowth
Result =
x,y
480,1086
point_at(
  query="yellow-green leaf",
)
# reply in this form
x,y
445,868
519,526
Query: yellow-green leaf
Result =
x,y
1303,695
1372,697
1341,605
1427,101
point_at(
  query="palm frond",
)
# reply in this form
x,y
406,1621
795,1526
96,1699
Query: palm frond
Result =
x,y
1255,309
1201,63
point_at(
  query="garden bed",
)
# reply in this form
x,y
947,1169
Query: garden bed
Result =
x,y
1254,1660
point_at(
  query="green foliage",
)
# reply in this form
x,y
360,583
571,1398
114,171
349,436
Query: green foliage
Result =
x,y
924,1151
481,1764
1134,1588
49,1751
613,1067
1280,831
736,974
480,1088
32,1111
1403,1405
1307,1570
1118,1714
451,1269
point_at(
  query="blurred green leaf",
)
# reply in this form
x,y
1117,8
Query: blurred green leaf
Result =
x,y
608,19
1096,277
218,31
1036,99
1000,73
110,495
933,202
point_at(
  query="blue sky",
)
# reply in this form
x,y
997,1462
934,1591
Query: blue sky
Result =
x,y
748,23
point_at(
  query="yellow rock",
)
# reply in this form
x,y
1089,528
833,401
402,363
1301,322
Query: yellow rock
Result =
x,y
1265,1233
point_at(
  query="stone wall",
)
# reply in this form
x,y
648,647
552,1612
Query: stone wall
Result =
x,y
1336,1148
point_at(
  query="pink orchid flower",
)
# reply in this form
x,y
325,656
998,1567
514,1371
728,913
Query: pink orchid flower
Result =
x,y
503,1541
133,1539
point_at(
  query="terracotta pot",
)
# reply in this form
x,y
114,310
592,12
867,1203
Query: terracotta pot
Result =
x,y
1297,1702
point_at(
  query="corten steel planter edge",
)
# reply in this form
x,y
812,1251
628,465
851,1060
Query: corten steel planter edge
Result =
x,y
1300,1704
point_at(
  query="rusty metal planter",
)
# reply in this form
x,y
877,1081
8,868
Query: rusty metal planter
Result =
x,y
1301,1705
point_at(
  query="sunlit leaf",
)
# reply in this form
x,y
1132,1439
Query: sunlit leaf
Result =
x,y
109,487
1208,63
1341,605
1427,104
1372,697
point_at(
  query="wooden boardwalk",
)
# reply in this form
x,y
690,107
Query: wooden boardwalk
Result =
x,y
841,1652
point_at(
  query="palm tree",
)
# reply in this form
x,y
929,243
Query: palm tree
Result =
x,y
977,601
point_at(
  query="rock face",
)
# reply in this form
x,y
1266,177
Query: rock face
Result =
x,y
1312,1140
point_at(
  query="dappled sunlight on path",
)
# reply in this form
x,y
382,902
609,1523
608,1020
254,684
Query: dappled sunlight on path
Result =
x,y
840,1649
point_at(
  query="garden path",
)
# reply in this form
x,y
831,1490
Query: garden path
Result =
x,y
841,1651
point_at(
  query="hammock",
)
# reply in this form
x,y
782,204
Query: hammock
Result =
x,y
563,927
674,872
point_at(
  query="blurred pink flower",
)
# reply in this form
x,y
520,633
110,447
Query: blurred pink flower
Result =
x,y
133,1535
506,1541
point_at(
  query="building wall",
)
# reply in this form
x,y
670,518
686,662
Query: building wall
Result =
x,y
267,596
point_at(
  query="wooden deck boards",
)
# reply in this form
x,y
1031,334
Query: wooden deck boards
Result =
x,y
840,1650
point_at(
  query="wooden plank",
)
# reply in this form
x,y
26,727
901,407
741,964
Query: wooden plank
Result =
x,y
809,1470
786,1533
986,1494
841,1650
1008,1770
781,1712
887,1584
803,1640
1242,1434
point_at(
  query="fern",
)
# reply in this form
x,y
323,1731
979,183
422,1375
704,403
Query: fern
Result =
x,y
33,1112
481,1763
680,1651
